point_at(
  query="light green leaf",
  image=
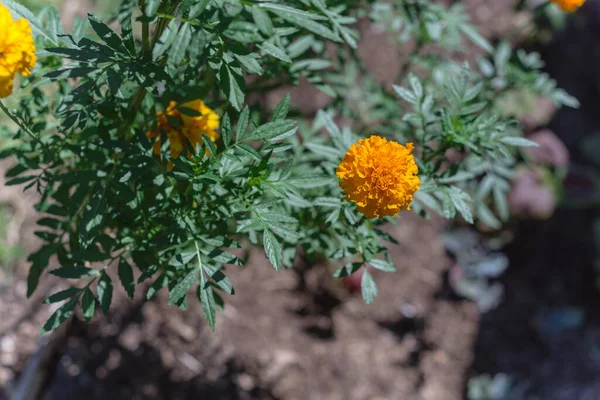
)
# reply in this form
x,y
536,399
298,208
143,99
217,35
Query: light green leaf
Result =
x,y
272,249
262,20
368,287
382,265
270,49
184,285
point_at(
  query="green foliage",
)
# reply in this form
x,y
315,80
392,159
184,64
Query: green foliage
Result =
x,y
111,204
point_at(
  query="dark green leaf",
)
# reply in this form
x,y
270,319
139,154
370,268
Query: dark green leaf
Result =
x,y
233,85
39,261
92,219
158,284
88,305
59,316
74,272
126,277
62,295
106,34
104,289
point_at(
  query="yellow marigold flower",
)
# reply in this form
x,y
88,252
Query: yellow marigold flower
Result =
x,y
568,5
17,51
379,176
178,127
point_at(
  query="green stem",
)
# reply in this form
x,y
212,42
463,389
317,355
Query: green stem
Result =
x,y
17,122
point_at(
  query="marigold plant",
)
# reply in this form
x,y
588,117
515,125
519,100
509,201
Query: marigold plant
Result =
x,y
155,159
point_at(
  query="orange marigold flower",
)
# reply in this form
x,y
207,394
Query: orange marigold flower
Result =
x,y
379,176
568,5
178,126
17,51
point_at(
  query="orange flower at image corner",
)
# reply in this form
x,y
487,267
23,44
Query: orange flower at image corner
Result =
x,y
568,5
178,127
17,51
380,176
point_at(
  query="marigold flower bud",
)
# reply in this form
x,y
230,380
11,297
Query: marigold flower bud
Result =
x,y
380,176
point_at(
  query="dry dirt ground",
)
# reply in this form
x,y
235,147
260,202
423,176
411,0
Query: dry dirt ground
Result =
x,y
279,337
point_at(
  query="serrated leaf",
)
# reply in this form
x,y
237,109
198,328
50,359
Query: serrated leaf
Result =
x,y
262,20
219,278
518,141
242,125
485,215
233,86
271,49
126,277
104,289
327,202
449,210
183,286
59,316
62,295
207,300
347,270
476,38
226,130
158,284
382,265
92,219
88,305
39,260
209,145
198,8
272,249
180,45
74,272
303,19
428,200
368,287
152,7
282,108
272,130
249,151
105,33
459,199
407,95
